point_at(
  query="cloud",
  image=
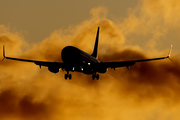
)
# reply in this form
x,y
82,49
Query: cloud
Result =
x,y
149,90
152,23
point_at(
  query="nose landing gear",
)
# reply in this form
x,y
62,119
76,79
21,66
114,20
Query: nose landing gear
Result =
x,y
68,76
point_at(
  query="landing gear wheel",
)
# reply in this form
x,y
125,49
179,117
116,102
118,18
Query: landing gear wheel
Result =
x,y
66,76
70,76
95,76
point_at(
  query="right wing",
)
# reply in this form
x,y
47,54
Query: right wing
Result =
x,y
129,63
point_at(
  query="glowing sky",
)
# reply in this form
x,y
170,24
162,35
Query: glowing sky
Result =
x,y
37,19
128,30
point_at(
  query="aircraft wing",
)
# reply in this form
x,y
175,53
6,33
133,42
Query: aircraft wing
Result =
x,y
40,63
129,63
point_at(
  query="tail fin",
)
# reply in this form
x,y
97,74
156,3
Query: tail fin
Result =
x,y
94,54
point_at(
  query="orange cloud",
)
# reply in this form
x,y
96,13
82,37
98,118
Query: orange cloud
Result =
x,y
148,90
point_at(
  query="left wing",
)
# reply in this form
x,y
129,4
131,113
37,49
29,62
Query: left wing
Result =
x,y
40,63
129,63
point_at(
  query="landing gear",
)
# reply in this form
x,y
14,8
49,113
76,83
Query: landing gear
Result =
x,y
68,76
95,76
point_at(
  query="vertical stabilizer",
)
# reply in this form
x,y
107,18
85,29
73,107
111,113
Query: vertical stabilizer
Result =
x,y
94,54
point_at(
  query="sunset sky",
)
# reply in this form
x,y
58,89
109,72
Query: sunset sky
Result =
x,y
129,30
37,19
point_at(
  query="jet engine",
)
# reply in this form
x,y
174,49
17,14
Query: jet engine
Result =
x,y
101,69
53,69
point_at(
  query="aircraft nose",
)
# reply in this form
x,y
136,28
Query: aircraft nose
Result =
x,y
69,54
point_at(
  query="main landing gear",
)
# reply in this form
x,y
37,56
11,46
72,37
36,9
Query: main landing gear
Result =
x,y
68,75
95,76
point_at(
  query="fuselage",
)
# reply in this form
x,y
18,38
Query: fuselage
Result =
x,y
80,60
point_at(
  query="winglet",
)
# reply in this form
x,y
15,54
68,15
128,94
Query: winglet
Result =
x,y
3,53
169,52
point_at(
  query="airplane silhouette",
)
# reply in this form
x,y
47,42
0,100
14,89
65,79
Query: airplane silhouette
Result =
x,y
77,60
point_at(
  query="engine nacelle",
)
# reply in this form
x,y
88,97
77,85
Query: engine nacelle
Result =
x,y
101,69
53,69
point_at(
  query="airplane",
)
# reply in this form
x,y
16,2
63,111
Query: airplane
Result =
x,y
77,60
